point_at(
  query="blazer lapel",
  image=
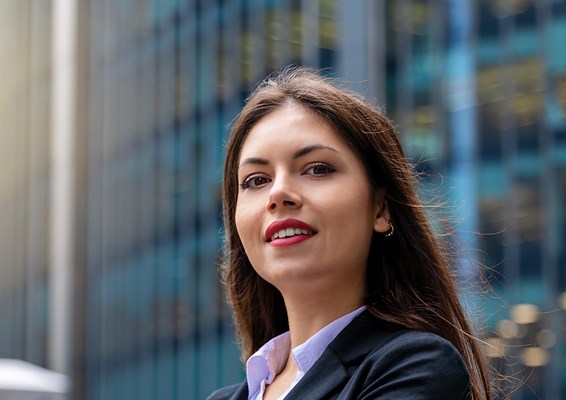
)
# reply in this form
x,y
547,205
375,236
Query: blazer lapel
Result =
x,y
326,376
331,372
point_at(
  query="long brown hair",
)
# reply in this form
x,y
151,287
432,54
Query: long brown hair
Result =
x,y
409,278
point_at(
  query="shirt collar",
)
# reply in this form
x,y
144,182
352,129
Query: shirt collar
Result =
x,y
267,362
306,354
271,358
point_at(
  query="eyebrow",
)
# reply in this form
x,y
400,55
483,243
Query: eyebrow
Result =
x,y
297,154
254,160
306,150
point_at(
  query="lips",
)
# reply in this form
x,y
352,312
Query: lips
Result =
x,y
288,228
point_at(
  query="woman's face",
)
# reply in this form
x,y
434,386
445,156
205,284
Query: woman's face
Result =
x,y
305,211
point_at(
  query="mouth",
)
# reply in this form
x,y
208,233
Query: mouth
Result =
x,y
290,232
288,228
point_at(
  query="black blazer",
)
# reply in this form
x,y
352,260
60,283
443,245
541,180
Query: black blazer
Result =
x,y
373,359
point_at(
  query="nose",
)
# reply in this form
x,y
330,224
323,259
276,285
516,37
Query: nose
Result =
x,y
283,194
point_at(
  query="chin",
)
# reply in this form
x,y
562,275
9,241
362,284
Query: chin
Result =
x,y
297,277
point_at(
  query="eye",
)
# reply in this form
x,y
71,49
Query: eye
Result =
x,y
319,169
254,181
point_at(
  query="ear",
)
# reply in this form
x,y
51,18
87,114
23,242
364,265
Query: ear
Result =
x,y
381,212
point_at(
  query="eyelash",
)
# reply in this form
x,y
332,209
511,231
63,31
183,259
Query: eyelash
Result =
x,y
328,168
246,184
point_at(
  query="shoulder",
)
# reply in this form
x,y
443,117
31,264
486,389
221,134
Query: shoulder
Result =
x,y
414,364
407,348
402,363
225,392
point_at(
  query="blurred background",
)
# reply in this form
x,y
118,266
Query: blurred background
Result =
x,y
113,119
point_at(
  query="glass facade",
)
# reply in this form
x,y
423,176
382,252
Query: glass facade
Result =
x,y
477,90
164,81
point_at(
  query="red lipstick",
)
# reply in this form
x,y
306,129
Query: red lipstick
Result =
x,y
285,224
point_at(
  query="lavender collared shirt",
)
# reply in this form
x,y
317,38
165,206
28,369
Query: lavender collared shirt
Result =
x,y
264,365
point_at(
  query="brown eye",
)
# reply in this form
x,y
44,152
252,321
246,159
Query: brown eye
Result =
x,y
320,170
254,182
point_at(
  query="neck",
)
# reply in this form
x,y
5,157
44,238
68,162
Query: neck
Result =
x,y
309,311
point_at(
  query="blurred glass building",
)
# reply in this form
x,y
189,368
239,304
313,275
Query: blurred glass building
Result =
x,y
477,90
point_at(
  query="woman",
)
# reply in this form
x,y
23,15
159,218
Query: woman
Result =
x,y
339,287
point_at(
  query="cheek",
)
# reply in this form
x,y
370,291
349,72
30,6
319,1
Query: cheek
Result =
x,y
238,219
353,215
355,204
247,229
244,223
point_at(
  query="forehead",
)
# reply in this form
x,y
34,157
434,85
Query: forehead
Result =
x,y
290,126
